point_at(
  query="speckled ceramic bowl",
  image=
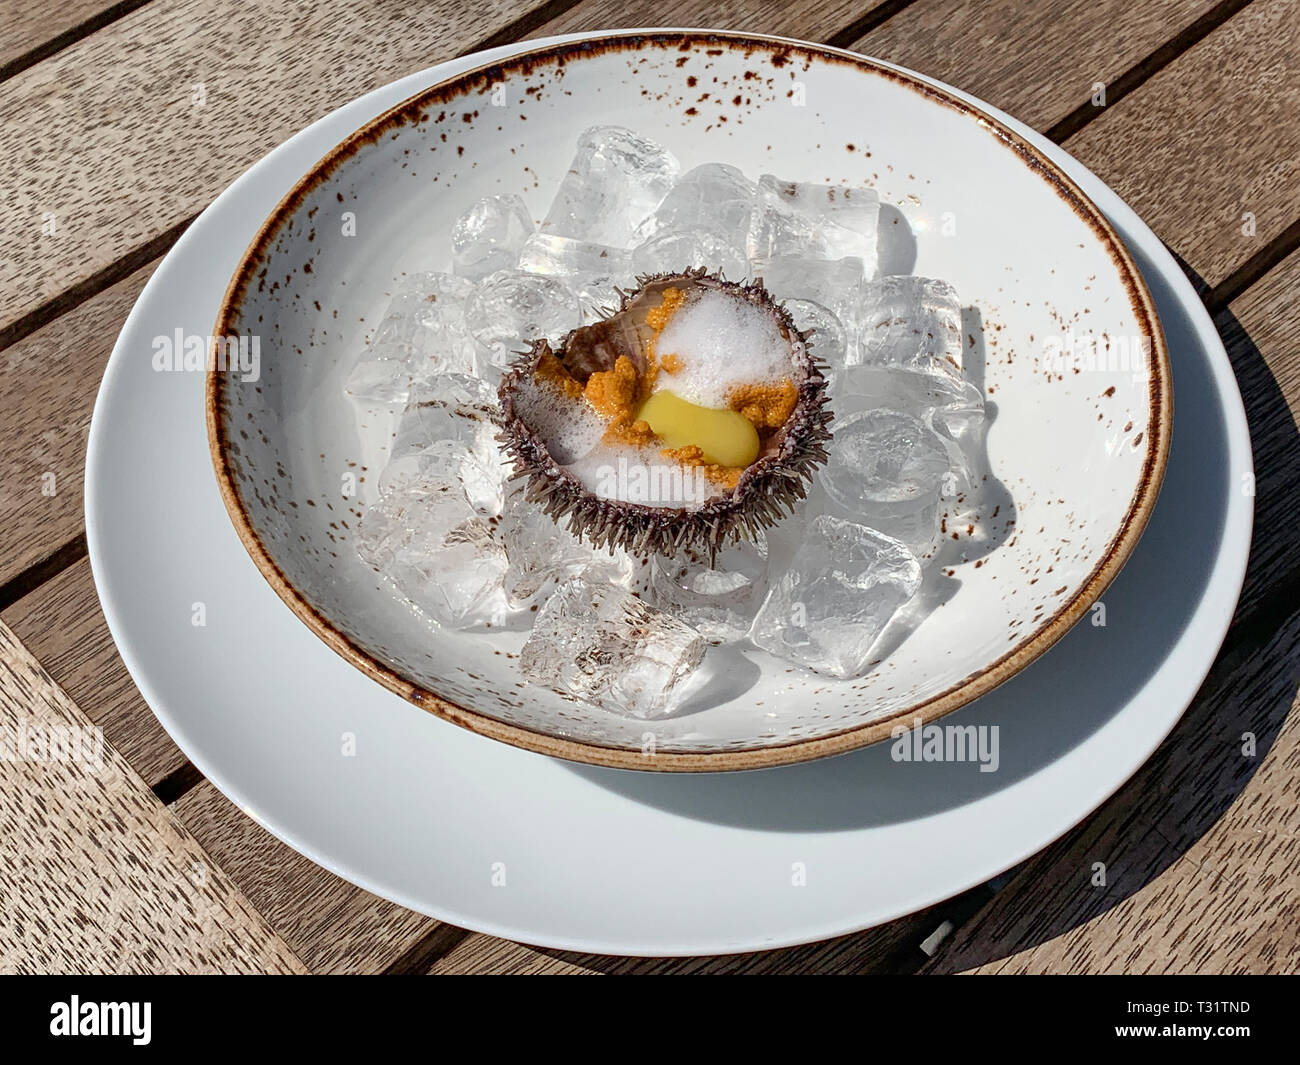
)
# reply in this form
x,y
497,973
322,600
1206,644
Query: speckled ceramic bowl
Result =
x,y
1077,444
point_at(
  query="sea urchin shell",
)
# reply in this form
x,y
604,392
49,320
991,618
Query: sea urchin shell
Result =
x,y
764,492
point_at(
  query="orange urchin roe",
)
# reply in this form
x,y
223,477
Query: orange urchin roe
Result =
x,y
552,370
657,318
669,304
767,406
727,476
633,433
613,392
619,393
687,456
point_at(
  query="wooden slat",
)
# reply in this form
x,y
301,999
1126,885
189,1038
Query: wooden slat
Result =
x,y
48,383
65,627
1038,60
480,955
1050,918
1209,139
1260,337
804,20
332,925
99,877
1206,139
106,134
27,26
1201,850
113,114
51,411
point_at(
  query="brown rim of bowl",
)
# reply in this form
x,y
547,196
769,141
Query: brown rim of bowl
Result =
x,y
956,696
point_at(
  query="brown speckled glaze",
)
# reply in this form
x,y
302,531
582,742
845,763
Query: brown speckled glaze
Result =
x,y
475,703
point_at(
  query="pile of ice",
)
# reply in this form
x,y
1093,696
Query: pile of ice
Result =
x,y
471,552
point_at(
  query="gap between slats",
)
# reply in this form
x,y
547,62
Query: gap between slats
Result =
x,y
69,37
1141,72
1125,84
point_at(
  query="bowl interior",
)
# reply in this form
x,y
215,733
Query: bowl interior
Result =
x,y
1075,448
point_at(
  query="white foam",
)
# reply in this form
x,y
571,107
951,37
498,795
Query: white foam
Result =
x,y
722,342
571,428
643,475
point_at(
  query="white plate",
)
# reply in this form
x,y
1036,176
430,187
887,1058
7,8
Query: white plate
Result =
x,y
577,857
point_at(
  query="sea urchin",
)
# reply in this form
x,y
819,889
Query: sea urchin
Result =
x,y
690,417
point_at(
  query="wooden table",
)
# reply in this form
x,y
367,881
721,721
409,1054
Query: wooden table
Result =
x,y
143,866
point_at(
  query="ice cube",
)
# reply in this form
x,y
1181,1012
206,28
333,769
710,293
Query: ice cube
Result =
x,y
909,321
883,456
542,550
934,392
715,197
380,378
616,180
887,470
422,334
827,341
433,546
508,310
675,250
593,271
719,601
447,433
834,283
828,609
604,646
489,236
913,523
811,221
914,389
963,431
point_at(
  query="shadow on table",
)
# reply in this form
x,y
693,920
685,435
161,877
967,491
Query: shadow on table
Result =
x,y
1203,766
1075,690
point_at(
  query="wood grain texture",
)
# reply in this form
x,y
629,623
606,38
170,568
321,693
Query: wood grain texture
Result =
x,y
29,25
48,383
807,21
63,625
1051,918
1207,139
1210,140
99,877
124,153
1259,333
110,137
331,925
1200,850
1036,60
